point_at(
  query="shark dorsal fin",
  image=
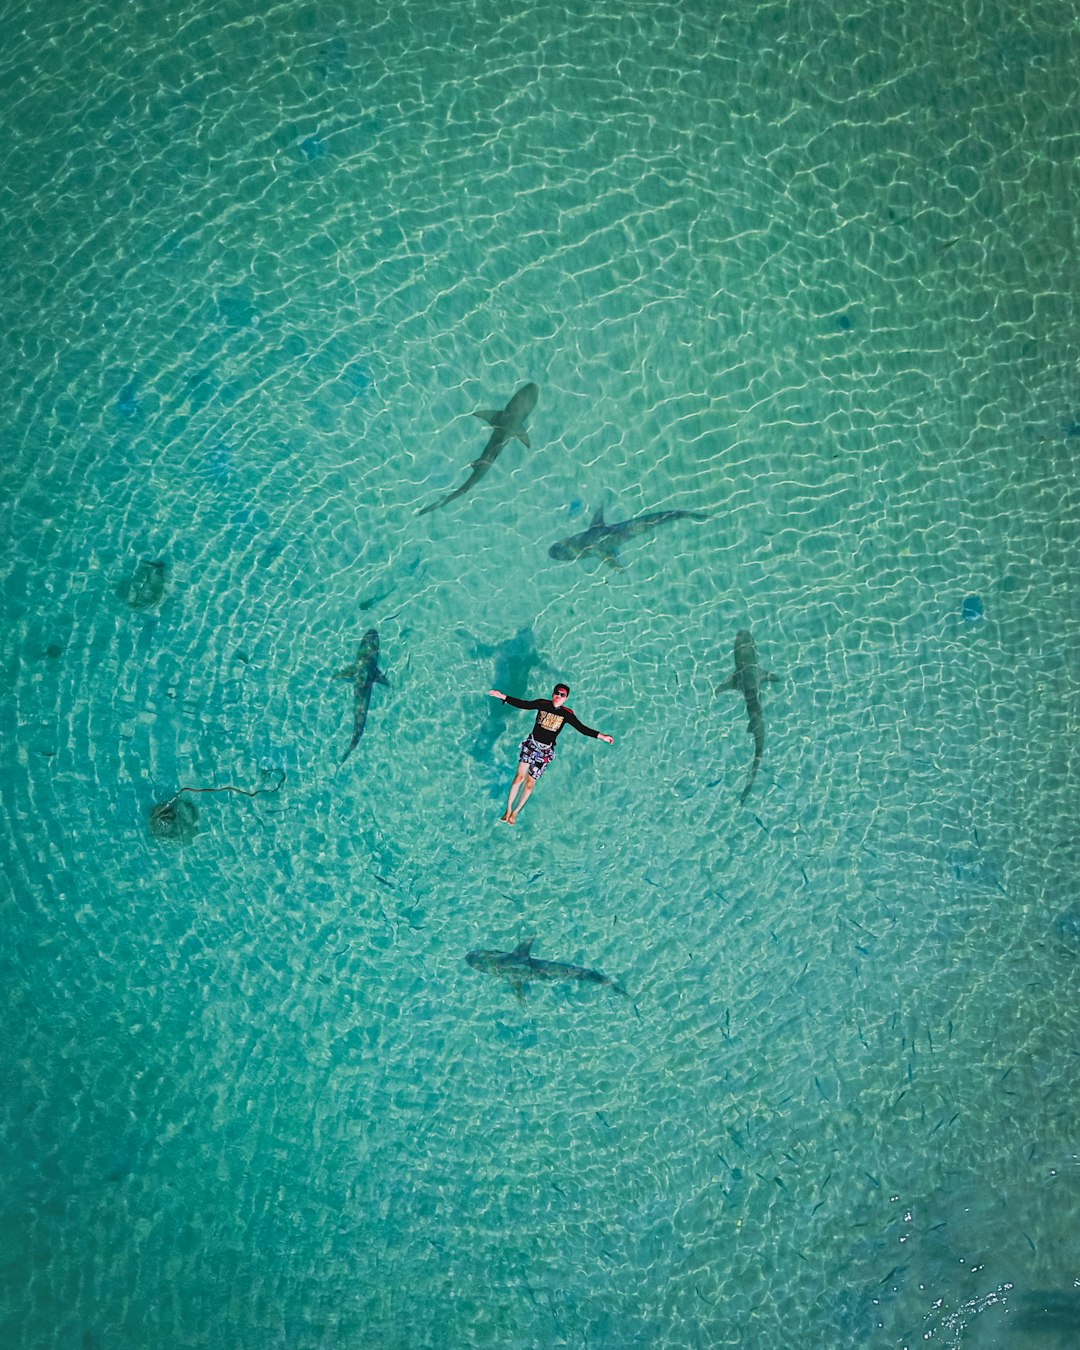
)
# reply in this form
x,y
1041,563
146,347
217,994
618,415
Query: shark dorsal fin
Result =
x,y
598,519
522,949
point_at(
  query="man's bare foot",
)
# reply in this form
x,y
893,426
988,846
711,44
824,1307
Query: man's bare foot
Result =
x,y
504,819
511,819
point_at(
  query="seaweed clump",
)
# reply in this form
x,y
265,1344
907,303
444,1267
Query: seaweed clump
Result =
x,y
175,819
146,586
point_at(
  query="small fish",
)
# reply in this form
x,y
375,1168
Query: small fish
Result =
x,y
367,674
376,598
603,540
507,424
748,679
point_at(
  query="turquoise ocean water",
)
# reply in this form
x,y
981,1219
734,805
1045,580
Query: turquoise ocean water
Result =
x,y
810,269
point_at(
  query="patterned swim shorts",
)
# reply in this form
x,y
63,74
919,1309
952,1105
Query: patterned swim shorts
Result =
x,y
536,755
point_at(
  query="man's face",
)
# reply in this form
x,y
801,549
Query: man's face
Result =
x,y
559,697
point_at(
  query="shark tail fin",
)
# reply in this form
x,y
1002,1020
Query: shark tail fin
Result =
x,y
750,780
628,996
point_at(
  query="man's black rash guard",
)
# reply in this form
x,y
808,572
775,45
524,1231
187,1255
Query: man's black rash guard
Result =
x,y
549,719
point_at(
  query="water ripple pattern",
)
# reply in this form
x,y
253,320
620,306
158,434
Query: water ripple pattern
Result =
x,y
805,272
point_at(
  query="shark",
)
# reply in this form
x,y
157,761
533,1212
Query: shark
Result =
x,y
367,674
748,679
506,426
519,967
603,540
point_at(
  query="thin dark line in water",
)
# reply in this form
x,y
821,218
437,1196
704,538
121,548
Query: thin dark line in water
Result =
x,y
1029,1241
244,792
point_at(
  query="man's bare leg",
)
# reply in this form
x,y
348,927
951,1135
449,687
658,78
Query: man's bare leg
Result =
x,y
519,778
526,791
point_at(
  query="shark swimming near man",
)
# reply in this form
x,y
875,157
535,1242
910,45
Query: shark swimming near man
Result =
x,y
507,425
519,967
367,674
748,679
602,540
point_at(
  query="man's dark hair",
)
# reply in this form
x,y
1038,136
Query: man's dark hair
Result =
x,y
562,688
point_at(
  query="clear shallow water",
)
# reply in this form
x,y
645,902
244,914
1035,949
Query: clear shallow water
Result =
x,y
810,271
